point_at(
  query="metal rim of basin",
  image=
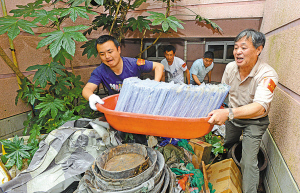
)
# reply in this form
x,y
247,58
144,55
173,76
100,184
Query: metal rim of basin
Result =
x,y
158,186
155,178
119,150
126,183
167,181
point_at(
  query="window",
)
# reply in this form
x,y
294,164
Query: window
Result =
x,y
223,50
155,52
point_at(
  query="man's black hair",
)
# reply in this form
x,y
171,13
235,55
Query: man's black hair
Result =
x,y
208,54
169,48
104,38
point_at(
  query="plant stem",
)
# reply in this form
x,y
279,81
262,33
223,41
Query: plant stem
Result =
x,y
14,68
141,47
152,43
168,8
12,47
212,161
116,16
11,64
123,16
167,15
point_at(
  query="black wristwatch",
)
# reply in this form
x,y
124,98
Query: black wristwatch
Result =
x,y
230,115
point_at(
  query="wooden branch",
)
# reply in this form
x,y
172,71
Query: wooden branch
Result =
x,y
11,64
116,16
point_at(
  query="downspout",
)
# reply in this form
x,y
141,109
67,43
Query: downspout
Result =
x,y
185,51
12,48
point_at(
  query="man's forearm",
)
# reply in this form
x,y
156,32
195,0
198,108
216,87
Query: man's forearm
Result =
x,y
209,76
158,71
248,111
188,76
88,90
219,116
197,81
86,93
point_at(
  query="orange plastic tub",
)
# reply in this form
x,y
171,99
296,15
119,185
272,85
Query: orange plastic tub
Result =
x,y
156,125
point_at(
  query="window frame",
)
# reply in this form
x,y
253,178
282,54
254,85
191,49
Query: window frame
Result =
x,y
225,44
156,48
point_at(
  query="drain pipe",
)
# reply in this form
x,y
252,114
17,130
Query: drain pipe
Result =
x,y
12,48
184,58
185,51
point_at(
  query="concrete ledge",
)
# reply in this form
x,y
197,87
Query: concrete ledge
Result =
x,y
9,127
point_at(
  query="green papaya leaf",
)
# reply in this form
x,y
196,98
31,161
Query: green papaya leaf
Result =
x,y
51,105
12,26
59,39
43,17
16,151
140,23
46,72
74,12
61,57
137,3
26,10
99,2
89,48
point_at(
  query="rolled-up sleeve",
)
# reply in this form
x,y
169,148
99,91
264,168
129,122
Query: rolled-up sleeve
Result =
x,y
265,89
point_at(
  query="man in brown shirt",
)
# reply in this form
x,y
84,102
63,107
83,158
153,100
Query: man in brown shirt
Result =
x,y
252,88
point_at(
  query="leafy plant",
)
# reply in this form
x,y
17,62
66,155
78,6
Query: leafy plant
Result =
x,y
217,146
55,93
129,138
17,152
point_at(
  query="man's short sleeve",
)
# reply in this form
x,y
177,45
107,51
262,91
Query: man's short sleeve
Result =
x,y
225,77
194,68
144,66
181,63
265,90
96,77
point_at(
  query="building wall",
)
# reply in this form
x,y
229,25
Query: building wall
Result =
x,y
281,25
231,16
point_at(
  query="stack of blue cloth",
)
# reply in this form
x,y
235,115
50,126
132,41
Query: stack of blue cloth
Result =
x,y
169,99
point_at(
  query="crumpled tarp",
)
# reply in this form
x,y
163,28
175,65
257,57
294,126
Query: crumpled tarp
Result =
x,y
62,157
